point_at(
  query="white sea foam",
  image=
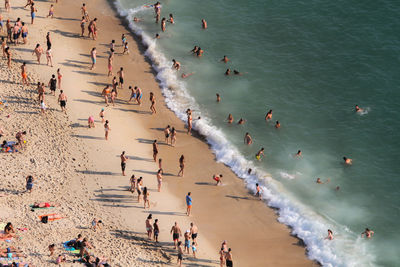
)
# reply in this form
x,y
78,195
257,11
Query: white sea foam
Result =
x,y
305,224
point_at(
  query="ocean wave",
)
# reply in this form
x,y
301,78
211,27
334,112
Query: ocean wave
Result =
x,y
305,224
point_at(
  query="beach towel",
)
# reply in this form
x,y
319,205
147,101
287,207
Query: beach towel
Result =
x,y
70,249
9,259
9,148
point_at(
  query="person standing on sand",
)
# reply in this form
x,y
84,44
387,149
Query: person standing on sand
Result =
x,y
24,32
33,12
8,53
139,188
29,183
3,46
153,103
38,51
102,114
160,164
124,159
24,74
159,179
176,233
120,73
155,150
138,95
217,178
228,258
221,257
40,90
83,22
193,231
181,165
106,129
93,57
62,99
173,136
133,183
156,230
167,133
59,77
110,64
189,203
180,254
42,107
186,235
149,227
146,198
53,84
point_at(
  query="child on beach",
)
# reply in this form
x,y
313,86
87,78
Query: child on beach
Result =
x,y
51,12
126,49
194,249
102,115
91,122
42,107
106,129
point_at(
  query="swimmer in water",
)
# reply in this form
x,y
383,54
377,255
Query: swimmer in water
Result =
x,y
218,98
135,19
358,109
157,36
241,121
184,75
368,233
230,118
298,154
247,139
277,125
269,115
337,188
228,72
237,73
319,181
225,59
347,161
175,64
194,50
330,235
260,154
204,24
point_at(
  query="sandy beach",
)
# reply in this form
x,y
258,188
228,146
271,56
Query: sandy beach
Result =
x,y
77,168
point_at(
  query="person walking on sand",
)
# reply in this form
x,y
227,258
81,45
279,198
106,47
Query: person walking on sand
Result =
x,y
149,226
59,77
138,95
49,57
139,188
153,103
258,191
221,257
146,195
40,89
106,93
181,165
106,129
180,254
189,203
133,183
120,74
176,233
51,12
156,230
160,164
186,235
24,74
62,98
93,57
42,107
29,183
228,258
155,150
193,231
124,159
38,51
159,179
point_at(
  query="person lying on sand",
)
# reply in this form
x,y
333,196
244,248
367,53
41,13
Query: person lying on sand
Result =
x,y
12,255
44,205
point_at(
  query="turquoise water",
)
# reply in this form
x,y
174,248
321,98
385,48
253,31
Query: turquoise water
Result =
x,y
310,62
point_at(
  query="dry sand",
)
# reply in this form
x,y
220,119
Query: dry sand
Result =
x,y
92,185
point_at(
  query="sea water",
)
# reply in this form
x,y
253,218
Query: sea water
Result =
x,y
310,62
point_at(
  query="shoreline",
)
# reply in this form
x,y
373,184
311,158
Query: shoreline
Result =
x,y
205,194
